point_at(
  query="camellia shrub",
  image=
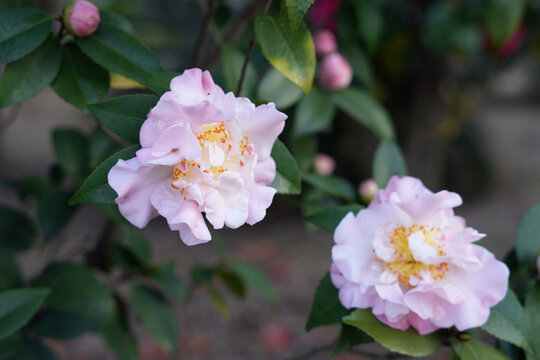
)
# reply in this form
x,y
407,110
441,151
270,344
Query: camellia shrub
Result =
x,y
212,145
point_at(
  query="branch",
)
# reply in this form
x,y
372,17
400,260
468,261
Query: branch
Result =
x,y
201,40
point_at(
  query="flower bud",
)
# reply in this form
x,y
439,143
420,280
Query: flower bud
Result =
x,y
325,42
538,266
335,73
324,164
81,18
367,190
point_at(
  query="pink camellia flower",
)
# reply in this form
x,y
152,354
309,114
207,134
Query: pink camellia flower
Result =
x,y
81,18
413,262
202,151
324,164
335,73
325,42
367,190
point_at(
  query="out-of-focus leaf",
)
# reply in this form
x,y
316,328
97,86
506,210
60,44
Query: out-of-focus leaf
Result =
x,y
473,350
349,337
101,147
161,82
170,283
232,68
29,75
275,88
17,231
364,109
502,18
296,9
57,324
120,52
96,187
532,314
326,308
116,332
333,185
313,114
233,282
360,64
114,19
21,31
329,219
17,307
80,81
370,23
255,278
287,179
387,161
10,275
33,349
407,342
124,115
54,212
292,55
11,345
31,186
71,148
528,236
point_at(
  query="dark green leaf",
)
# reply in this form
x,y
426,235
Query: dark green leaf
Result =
x,y
11,345
116,332
233,282
532,314
17,307
255,278
370,23
287,179
472,350
21,31
296,9
171,284
407,342
387,161
31,186
233,61
33,349
304,150
313,114
329,219
326,308
54,212
116,20
276,88
332,185
10,276
124,115
363,108
360,64
137,244
29,75
80,81
96,187
528,236
56,324
120,52
101,147
17,232
160,83
292,55
219,302
157,316
349,337
502,18
71,147
507,321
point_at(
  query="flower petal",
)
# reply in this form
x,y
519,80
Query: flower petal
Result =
x,y
260,199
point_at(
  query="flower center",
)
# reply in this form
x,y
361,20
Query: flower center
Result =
x,y
408,269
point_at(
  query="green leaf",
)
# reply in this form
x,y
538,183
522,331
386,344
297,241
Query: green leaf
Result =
x,y
101,147
233,60
296,9
472,350
254,277
29,75
124,115
71,148
10,275
160,83
349,337
115,331
507,321
170,283
116,20
80,81
96,187
120,52
233,282
387,161
407,342
56,324
326,308
292,55
17,231
502,18
360,64
275,88
532,314
287,179
54,212
329,219
333,185
31,186
22,31
313,114
528,236
11,345
33,349
77,290
363,108
156,315
370,23
137,244
17,307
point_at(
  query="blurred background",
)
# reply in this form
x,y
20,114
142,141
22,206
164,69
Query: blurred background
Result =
x,y
467,115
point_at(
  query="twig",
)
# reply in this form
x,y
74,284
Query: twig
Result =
x,y
250,52
214,31
201,40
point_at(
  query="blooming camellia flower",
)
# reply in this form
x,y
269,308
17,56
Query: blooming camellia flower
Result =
x,y
410,259
81,18
202,151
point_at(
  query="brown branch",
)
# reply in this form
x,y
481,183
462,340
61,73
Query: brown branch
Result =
x,y
201,40
250,52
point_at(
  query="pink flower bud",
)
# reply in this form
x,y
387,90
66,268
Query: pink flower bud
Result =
x,y
335,73
324,164
538,266
367,190
81,18
325,42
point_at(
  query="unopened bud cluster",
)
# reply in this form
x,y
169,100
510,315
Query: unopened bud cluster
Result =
x,y
335,72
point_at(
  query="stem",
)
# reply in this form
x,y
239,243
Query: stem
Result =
x,y
250,52
201,40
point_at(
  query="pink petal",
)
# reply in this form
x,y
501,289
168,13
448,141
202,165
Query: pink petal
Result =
x,y
260,199
265,171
